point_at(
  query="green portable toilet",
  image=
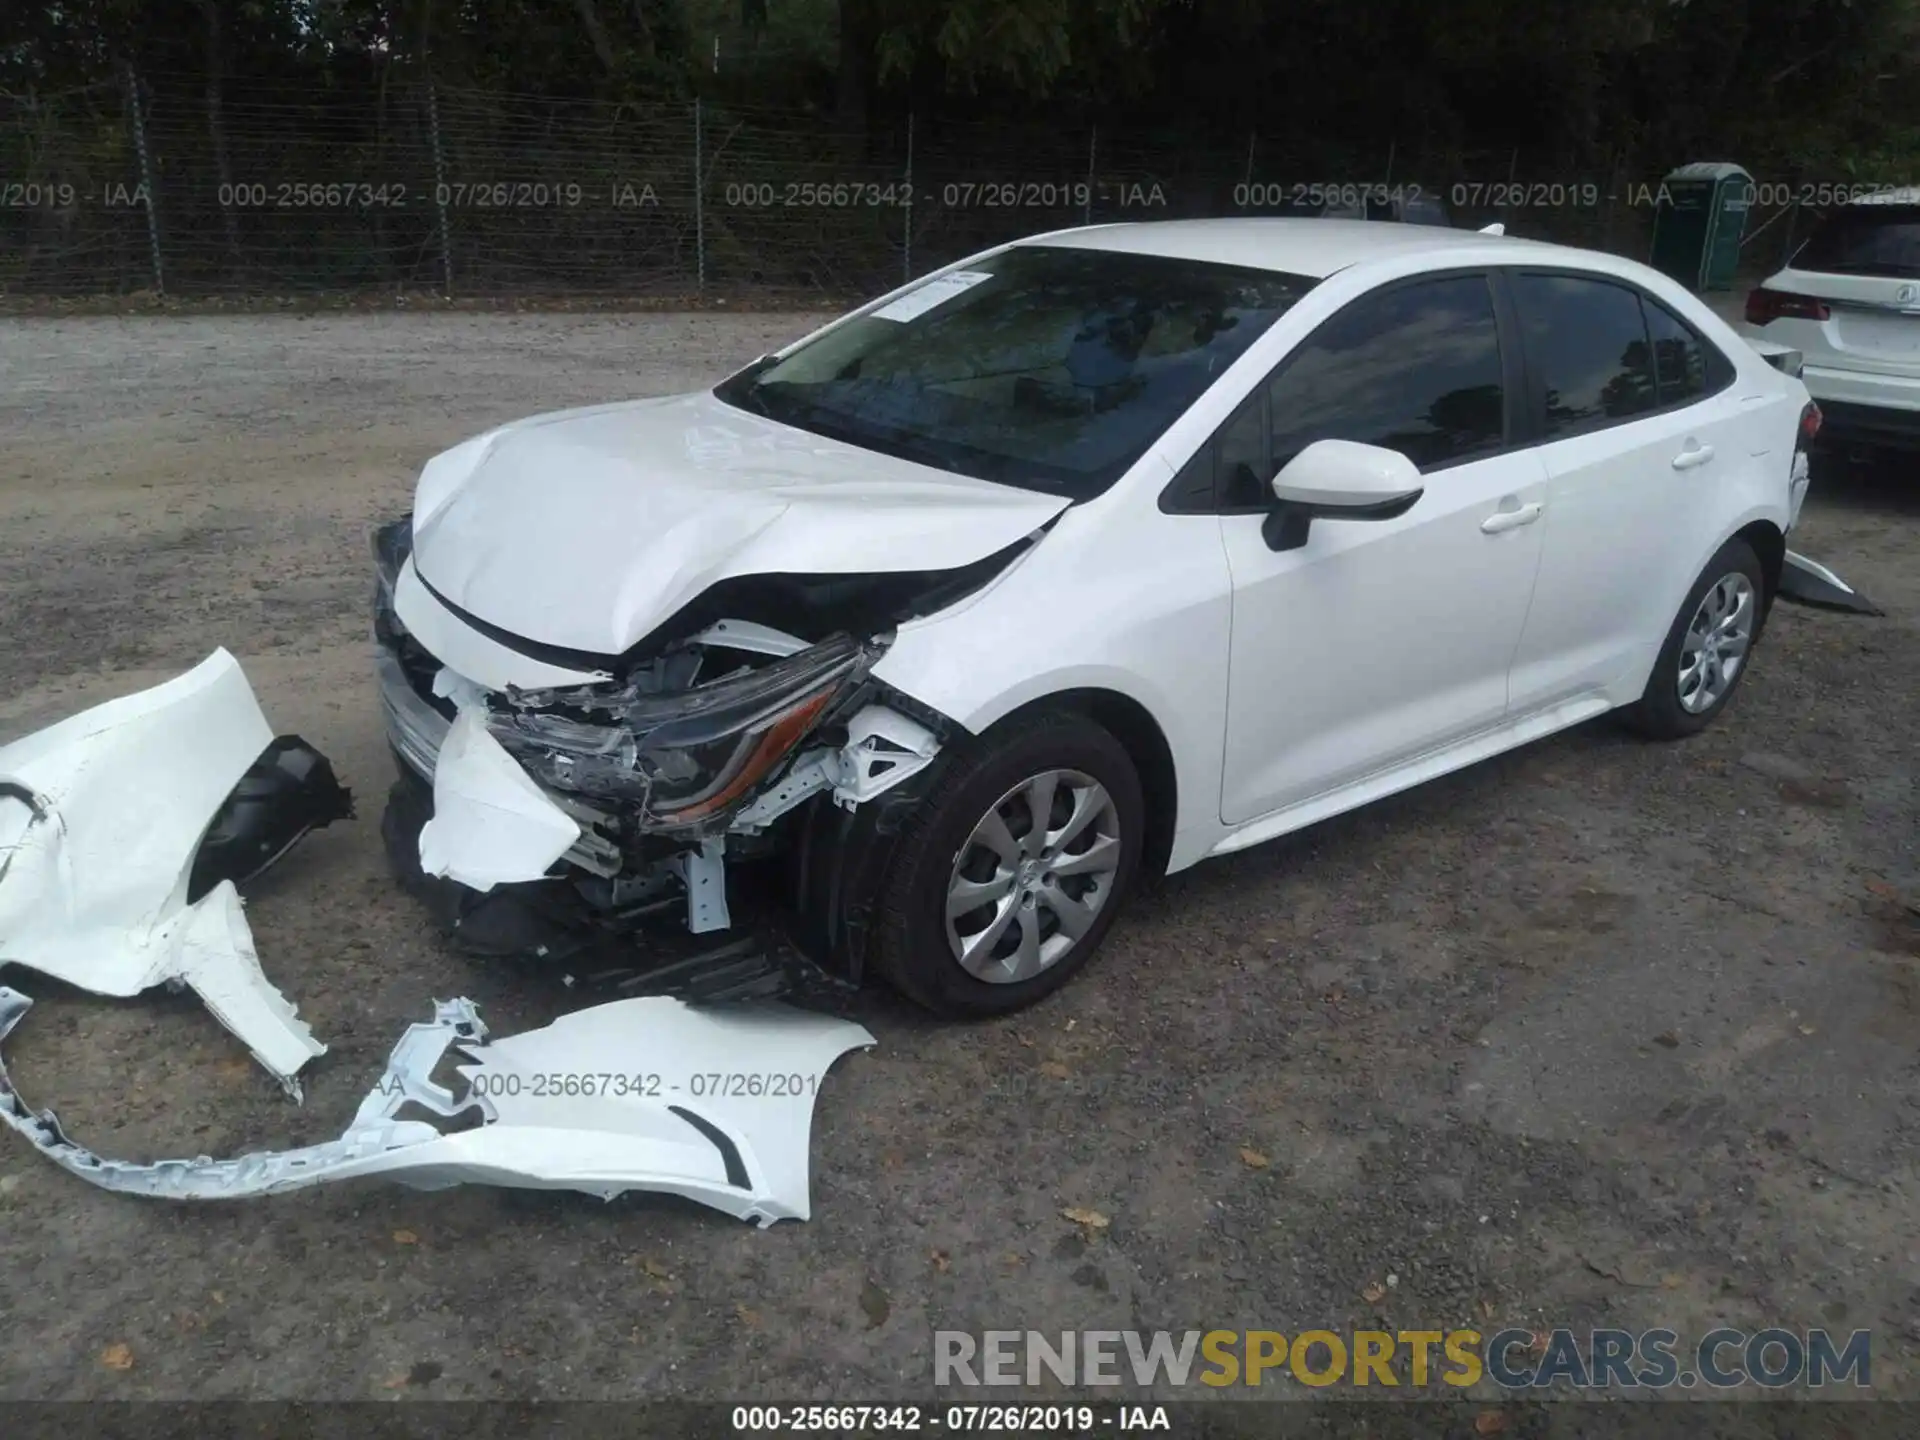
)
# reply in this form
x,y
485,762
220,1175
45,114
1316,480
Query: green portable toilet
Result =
x,y
1699,217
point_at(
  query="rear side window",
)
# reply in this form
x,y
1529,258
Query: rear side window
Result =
x,y
1587,346
1865,240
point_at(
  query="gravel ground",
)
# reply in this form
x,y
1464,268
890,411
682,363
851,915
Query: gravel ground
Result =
x,y
1596,1033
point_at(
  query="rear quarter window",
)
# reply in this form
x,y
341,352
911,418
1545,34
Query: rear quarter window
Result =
x,y
1686,366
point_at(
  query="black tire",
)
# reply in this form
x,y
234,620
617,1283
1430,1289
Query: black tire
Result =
x,y
911,945
1660,714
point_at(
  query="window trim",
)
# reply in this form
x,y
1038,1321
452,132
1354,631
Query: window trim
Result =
x,y
1178,497
1535,384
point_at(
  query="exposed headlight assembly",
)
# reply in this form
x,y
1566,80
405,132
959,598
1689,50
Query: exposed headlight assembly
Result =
x,y
683,755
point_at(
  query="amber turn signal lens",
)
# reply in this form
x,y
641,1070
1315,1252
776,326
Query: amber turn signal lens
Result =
x,y
775,741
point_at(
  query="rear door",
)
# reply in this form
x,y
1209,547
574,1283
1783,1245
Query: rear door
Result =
x,y
1641,428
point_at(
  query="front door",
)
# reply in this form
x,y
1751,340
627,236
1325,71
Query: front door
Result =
x,y
1379,640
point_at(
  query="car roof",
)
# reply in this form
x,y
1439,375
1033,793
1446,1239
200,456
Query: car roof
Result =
x,y
1314,247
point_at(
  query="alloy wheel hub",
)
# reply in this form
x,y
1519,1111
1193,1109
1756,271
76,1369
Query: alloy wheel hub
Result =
x,y
1033,876
1716,643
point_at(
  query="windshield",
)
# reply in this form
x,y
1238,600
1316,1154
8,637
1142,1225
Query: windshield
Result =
x,y
1865,240
1048,368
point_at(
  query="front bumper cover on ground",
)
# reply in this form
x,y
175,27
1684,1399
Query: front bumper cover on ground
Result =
x,y
643,1094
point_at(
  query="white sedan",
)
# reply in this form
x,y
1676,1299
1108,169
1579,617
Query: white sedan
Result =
x,y
1084,559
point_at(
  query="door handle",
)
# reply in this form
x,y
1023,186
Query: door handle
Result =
x,y
1511,519
1693,456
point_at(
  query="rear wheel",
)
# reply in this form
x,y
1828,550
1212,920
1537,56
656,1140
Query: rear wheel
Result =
x,y
1708,647
1011,874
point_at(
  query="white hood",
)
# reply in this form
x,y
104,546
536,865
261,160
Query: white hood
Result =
x,y
589,528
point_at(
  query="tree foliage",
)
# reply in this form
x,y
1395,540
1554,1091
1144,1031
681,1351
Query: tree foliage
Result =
x,y
1833,81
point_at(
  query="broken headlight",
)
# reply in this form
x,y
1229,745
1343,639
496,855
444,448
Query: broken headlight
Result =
x,y
683,755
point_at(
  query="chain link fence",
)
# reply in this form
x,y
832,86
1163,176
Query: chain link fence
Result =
x,y
415,187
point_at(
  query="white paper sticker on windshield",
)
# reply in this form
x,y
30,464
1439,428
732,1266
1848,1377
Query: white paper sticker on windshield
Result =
x,y
936,291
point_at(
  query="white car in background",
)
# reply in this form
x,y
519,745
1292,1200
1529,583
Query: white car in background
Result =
x,y
1849,302
1083,560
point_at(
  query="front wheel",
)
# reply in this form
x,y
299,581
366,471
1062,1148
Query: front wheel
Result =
x,y
1009,877
1708,647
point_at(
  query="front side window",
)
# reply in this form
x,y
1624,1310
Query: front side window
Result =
x,y
1587,343
1415,368
1050,368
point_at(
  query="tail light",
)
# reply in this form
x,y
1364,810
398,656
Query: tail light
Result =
x,y
1809,426
1764,306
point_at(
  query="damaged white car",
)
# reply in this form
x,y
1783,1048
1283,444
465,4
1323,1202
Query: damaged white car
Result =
x,y
1086,558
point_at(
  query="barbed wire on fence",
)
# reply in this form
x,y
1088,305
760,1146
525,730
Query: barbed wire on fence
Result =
x,y
424,187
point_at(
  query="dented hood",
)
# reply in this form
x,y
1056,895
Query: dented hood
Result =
x,y
589,528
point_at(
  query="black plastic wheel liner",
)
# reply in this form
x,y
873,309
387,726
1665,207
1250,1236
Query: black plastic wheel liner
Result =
x,y
839,864
287,792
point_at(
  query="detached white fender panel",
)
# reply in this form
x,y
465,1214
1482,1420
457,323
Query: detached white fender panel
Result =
x,y
100,817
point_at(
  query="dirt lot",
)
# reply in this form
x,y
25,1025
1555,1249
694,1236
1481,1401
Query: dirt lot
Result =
x,y
1598,1033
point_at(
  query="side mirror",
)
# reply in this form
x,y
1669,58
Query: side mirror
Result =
x,y
1339,480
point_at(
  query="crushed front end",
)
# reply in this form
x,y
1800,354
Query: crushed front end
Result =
x,y
681,789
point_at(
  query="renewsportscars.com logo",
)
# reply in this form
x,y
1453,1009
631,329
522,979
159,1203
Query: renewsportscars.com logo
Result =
x,y
1414,1359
